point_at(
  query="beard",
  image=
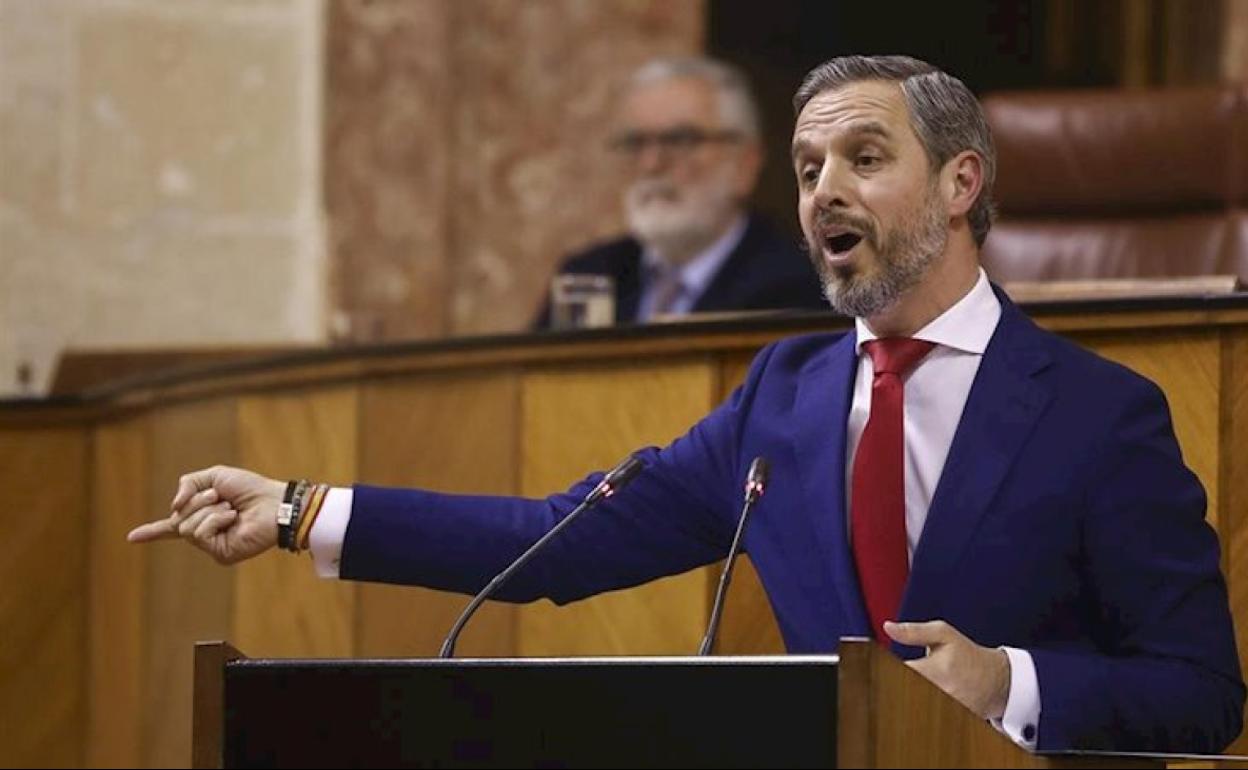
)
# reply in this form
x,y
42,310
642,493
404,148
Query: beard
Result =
x,y
677,221
903,257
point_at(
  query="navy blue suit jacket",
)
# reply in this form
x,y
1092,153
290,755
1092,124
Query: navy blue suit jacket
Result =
x,y
766,271
1065,523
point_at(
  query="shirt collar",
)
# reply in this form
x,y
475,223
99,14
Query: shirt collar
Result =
x,y
967,326
697,273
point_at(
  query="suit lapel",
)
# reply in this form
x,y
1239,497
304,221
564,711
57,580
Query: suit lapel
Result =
x,y
1002,408
731,281
821,410
628,286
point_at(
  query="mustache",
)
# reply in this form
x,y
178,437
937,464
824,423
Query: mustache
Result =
x,y
647,187
829,220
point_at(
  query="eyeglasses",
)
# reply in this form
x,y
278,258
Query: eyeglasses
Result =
x,y
675,141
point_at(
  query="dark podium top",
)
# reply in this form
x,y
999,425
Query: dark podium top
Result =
x,y
861,708
589,712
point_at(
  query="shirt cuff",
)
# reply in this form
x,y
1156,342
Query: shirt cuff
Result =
x,y
329,530
1021,721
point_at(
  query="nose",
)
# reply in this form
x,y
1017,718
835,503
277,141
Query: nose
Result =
x,y
651,159
831,189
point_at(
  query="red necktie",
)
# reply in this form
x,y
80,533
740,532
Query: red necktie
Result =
x,y
878,501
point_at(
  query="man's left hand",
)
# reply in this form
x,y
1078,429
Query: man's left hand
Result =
x,y
978,677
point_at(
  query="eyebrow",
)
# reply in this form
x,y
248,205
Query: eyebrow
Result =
x,y
872,127
859,128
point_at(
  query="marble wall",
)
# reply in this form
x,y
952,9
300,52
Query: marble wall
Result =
x,y
387,159
235,172
465,151
160,168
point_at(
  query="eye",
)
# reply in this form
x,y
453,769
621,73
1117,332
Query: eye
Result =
x,y
867,160
682,139
629,142
809,175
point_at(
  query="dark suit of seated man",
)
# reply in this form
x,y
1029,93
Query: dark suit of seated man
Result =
x,y
758,268
688,134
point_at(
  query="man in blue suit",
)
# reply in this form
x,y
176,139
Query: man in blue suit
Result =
x,y
947,477
688,137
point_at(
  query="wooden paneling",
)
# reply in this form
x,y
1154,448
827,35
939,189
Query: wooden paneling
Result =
x,y
281,607
320,368
1187,366
119,478
452,432
78,371
748,625
897,718
1234,526
188,595
455,417
42,597
208,708
733,368
586,418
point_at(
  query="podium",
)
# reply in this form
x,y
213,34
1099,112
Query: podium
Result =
x,y
861,708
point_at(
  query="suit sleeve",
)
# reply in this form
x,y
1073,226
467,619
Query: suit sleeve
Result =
x,y
677,514
1166,673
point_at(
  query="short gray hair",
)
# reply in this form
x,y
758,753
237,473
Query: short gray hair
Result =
x,y
737,108
945,114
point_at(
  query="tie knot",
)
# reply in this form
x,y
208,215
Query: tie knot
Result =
x,y
896,355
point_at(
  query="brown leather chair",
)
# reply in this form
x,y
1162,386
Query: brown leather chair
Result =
x,y
1120,184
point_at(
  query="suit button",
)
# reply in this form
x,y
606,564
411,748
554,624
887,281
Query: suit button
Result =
x,y
1029,733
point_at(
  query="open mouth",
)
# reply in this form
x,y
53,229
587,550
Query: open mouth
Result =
x,y
839,245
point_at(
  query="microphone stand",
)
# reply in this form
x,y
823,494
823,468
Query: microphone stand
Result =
x,y
613,482
756,481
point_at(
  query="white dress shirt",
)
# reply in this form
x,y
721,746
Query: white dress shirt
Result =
x,y
935,394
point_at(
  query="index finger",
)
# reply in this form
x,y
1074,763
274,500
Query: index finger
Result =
x,y
162,529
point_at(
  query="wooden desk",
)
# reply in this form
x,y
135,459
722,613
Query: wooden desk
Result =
x,y
92,622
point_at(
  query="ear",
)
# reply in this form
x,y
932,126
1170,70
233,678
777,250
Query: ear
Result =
x,y
961,180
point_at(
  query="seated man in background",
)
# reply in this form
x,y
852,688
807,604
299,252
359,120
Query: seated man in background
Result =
x,y
689,131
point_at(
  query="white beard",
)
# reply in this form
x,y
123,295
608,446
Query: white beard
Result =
x,y
676,223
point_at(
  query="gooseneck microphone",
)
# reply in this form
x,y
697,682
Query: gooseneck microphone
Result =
x,y
611,483
755,483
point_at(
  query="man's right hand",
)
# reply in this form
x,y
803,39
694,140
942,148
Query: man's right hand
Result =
x,y
228,512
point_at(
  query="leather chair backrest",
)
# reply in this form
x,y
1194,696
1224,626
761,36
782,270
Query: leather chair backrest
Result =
x,y
1120,184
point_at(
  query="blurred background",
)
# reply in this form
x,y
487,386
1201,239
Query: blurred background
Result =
x,y
225,174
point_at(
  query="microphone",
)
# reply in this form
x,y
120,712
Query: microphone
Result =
x,y
755,483
613,482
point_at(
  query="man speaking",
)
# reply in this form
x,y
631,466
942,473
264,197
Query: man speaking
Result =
x,y
945,477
